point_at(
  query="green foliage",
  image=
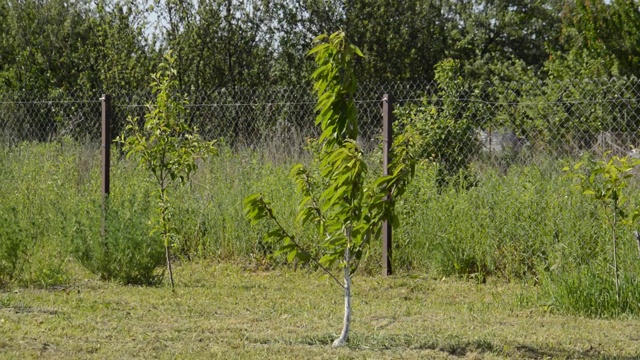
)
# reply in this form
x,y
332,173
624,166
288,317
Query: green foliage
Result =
x,y
80,46
500,31
589,291
15,242
166,145
108,44
347,213
335,85
221,43
398,50
601,35
443,132
523,225
128,252
625,19
604,181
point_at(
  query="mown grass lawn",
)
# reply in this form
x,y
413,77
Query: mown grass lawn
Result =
x,y
224,311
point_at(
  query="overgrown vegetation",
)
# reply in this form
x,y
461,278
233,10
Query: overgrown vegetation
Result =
x,y
128,251
526,225
606,182
442,129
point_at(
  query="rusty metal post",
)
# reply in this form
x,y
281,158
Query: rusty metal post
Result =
x,y
106,155
387,140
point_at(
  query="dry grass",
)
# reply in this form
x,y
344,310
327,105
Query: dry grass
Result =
x,y
222,311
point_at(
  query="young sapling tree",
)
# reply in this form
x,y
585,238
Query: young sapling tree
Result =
x,y
165,145
346,211
604,181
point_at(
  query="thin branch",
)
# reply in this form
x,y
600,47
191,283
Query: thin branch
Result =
x,y
316,261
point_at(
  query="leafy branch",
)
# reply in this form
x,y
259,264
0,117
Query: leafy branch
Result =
x,y
258,208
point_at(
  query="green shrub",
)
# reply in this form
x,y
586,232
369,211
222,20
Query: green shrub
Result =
x,y
15,240
442,128
128,252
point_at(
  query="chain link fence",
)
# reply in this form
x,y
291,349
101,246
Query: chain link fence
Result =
x,y
490,127
501,119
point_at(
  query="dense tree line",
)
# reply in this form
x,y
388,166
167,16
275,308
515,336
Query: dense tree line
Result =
x,y
49,45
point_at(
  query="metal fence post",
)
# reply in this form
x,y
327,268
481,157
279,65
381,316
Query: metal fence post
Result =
x,y
106,154
387,140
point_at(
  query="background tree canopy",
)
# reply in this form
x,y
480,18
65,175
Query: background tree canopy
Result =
x,y
110,45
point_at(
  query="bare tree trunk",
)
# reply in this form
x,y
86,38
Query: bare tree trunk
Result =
x,y
165,233
615,252
344,336
168,257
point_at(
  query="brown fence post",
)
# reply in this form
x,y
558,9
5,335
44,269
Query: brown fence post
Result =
x,y
387,140
106,154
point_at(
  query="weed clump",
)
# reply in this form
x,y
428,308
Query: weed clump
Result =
x,y
127,252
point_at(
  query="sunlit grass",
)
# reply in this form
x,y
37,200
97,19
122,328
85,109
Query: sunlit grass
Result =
x,y
224,311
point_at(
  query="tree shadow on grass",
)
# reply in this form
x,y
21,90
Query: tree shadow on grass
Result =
x,y
454,346
529,352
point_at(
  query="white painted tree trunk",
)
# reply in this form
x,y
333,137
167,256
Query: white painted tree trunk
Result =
x,y
342,340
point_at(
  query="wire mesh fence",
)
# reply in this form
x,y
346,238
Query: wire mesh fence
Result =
x,y
481,120
505,227
47,118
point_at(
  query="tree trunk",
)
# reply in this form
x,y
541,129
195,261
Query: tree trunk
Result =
x,y
344,336
168,257
615,252
165,233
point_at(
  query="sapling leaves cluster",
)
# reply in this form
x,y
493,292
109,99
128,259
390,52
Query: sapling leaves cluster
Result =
x,y
345,210
165,145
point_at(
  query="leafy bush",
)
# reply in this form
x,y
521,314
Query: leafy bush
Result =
x,y
14,242
443,130
128,252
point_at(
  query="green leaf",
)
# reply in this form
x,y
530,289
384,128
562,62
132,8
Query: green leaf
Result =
x,y
292,255
303,256
328,260
318,48
276,234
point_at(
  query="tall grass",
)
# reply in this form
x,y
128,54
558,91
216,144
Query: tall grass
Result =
x,y
525,224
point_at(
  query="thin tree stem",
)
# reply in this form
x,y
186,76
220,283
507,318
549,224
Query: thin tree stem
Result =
x,y
168,256
615,251
344,335
165,233
315,261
